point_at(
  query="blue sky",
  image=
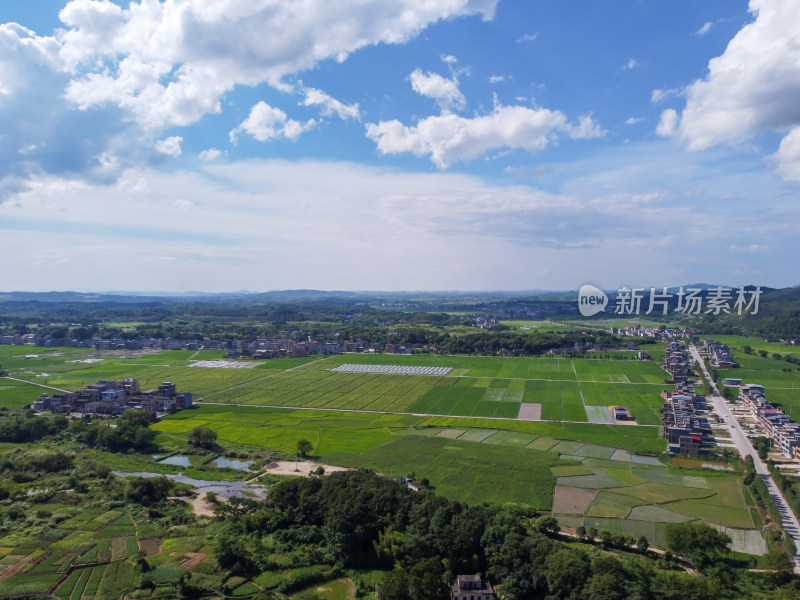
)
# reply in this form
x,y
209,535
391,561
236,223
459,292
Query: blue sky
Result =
x,y
388,144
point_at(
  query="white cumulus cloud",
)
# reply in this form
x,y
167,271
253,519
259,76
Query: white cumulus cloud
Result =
x,y
753,86
265,123
668,123
449,138
330,106
169,63
444,91
170,146
787,157
86,100
210,155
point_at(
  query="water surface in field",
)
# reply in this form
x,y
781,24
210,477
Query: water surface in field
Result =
x,y
177,460
223,489
239,465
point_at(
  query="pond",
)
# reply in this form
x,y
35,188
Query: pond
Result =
x,y
223,489
177,460
239,465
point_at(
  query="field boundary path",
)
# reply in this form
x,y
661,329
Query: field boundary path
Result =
x,y
41,385
580,390
789,521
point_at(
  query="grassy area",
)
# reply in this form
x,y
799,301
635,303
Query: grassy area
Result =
x,y
477,387
471,472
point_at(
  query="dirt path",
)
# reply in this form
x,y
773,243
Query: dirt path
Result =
x,y
200,506
41,385
195,558
299,468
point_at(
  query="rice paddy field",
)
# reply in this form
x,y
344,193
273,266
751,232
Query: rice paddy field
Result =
x,y
625,495
583,473
475,386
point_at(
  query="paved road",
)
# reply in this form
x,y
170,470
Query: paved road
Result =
x,y
789,522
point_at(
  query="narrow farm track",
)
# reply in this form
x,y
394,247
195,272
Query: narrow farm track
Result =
x,y
554,380
41,385
579,387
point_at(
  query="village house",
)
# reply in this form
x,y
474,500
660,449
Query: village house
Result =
x,y
109,397
471,587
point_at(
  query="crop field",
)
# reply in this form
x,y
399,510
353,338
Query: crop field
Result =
x,y
465,471
329,431
476,387
86,537
629,497
93,556
737,344
465,458
781,380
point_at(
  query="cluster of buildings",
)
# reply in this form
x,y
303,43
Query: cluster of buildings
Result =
x,y
108,397
290,348
778,426
654,333
683,425
720,354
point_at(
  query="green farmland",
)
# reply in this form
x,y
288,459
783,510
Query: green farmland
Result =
x,y
476,386
583,473
781,380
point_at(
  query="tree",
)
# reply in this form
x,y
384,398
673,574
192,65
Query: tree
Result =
x,y
304,447
779,560
567,571
642,544
147,490
394,585
547,525
605,586
202,436
581,531
232,553
426,580
696,540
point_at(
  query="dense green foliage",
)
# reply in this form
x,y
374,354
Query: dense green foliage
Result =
x,y
130,432
361,520
23,426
